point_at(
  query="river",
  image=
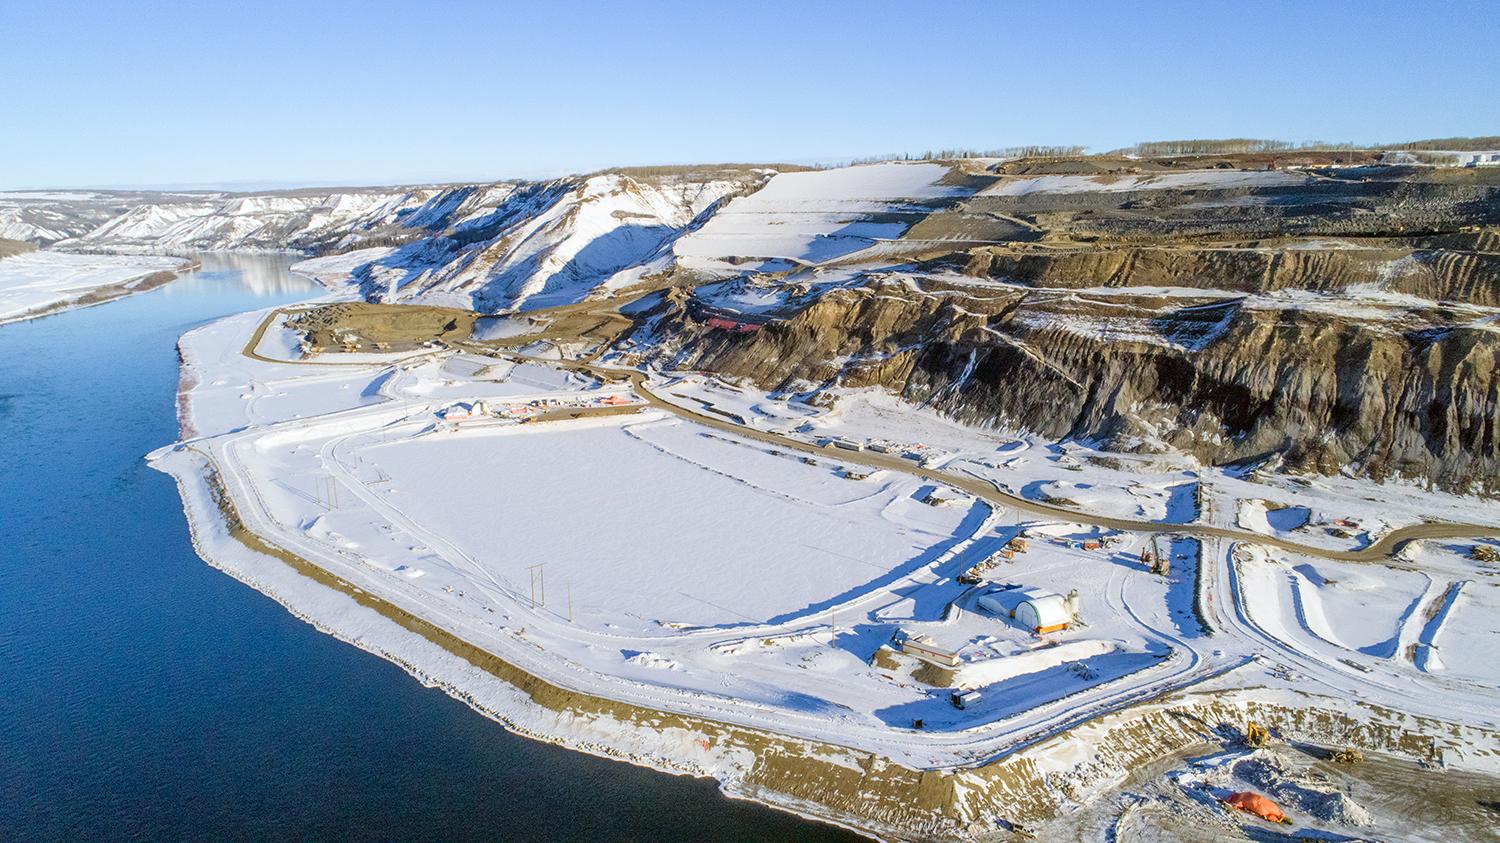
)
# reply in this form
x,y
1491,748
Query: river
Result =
x,y
145,695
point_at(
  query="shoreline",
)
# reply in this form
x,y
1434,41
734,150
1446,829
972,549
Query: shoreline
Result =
x,y
107,293
493,667
852,789
1027,784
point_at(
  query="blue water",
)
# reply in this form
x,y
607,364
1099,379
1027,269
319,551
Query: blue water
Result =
x,y
144,695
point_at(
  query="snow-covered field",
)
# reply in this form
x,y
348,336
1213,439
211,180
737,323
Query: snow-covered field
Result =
x,y
44,281
664,517
700,569
648,558
813,217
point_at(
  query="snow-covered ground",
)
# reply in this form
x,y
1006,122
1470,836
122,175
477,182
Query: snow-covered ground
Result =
x,y
670,520
648,558
705,572
813,217
44,281
654,560
335,271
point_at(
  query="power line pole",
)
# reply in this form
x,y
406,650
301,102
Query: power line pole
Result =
x,y
328,492
538,575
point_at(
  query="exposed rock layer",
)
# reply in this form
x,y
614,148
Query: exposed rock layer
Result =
x,y
1226,382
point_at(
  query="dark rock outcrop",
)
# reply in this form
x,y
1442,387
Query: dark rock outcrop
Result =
x,y
1412,393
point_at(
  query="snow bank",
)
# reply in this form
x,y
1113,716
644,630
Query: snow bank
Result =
x,y
989,671
336,271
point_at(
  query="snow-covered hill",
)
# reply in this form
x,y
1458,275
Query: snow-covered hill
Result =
x,y
524,245
552,243
487,246
43,217
292,220
806,218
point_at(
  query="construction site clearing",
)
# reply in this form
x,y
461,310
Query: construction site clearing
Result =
x,y
868,577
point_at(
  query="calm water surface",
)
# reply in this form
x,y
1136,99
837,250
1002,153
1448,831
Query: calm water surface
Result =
x,y
145,695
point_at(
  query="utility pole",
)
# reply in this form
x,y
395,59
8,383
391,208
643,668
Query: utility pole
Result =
x,y
538,575
328,492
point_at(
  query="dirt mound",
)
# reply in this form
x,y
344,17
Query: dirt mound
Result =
x,y
361,326
1310,792
14,247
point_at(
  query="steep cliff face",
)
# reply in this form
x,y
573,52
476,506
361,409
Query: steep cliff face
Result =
x,y
1328,318
1386,391
1437,274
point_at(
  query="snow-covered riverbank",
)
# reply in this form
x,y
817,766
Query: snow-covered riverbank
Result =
x,y
38,283
715,603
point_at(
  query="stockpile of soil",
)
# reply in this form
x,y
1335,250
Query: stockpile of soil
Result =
x,y
362,326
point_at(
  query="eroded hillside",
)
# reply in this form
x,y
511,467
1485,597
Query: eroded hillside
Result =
x,y
1325,319
1323,311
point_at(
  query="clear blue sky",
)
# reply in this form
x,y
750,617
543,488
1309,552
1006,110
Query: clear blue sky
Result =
x,y
155,93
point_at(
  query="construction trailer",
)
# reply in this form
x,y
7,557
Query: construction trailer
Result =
x,y
964,699
923,647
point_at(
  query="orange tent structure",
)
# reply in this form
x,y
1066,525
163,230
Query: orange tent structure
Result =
x,y
1254,803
